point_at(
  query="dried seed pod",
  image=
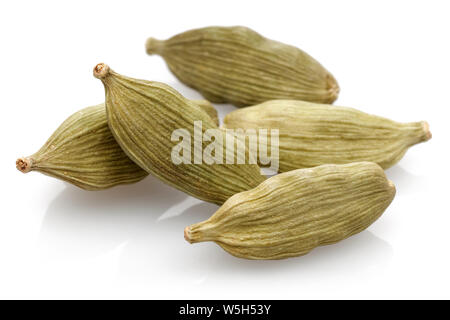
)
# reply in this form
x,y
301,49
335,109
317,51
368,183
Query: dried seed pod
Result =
x,y
83,151
143,116
209,109
291,213
239,66
314,134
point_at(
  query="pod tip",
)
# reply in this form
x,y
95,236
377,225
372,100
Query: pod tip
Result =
x,y
426,130
101,70
24,164
187,234
391,185
392,191
153,46
333,88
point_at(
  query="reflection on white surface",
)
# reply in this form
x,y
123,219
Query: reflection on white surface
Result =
x,y
127,242
406,182
81,223
81,226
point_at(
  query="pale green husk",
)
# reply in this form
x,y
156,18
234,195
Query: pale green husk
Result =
x,y
83,151
209,109
143,115
313,134
291,213
239,66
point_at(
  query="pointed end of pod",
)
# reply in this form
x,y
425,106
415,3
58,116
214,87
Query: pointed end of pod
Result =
x,y
392,188
187,234
154,46
101,70
426,130
199,232
24,164
332,88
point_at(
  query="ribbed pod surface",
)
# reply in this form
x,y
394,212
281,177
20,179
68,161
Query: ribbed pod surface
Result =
x,y
239,66
143,115
292,213
83,151
313,134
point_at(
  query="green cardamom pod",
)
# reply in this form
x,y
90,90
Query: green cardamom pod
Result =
x,y
209,109
314,134
291,213
143,116
83,151
241,67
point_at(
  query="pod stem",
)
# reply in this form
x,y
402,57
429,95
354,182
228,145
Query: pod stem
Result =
x,y
333,88
24,164
199,232
417,132
187,234
101,70
426,130
154,46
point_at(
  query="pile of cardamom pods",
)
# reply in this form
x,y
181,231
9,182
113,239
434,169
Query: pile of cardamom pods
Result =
x,y
330,184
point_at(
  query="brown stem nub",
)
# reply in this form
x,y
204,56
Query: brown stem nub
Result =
x,y
153,46
101,70
426,130
24,164
187,234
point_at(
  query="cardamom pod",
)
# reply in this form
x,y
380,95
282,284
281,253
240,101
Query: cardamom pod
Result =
x,y
143,115
209,109
241,67
291,213
83,151
314,134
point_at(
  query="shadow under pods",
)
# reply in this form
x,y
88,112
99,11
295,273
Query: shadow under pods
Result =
x,y
405,181
84,224
147,219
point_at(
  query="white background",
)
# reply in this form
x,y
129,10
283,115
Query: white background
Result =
x,y
391,58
